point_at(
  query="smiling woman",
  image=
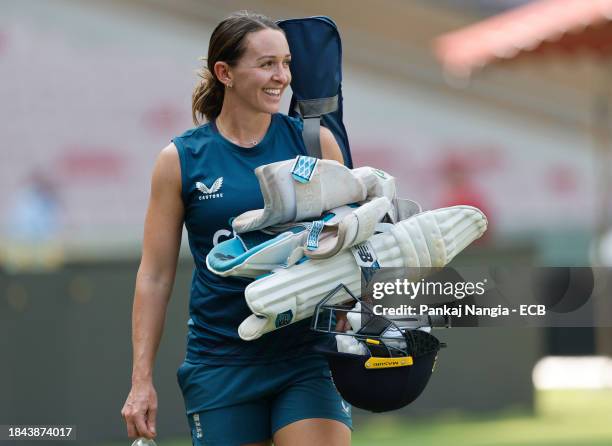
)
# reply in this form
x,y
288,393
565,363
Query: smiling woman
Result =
x,y
246,72
236,392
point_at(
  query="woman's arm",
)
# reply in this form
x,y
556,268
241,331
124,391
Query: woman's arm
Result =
x,y
330,150
154,281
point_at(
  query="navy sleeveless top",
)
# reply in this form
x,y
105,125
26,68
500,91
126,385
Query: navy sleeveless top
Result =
x,y
219,183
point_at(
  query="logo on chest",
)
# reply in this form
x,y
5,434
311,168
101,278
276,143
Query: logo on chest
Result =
x,y
211,192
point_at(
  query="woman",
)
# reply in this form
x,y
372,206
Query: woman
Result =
x,y
236,392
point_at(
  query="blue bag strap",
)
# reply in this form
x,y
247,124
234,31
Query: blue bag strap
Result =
x,y
316,70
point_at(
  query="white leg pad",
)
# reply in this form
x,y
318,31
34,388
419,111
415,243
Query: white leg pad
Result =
x,y
428,239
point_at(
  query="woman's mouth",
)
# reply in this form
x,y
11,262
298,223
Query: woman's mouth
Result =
x,y
274,92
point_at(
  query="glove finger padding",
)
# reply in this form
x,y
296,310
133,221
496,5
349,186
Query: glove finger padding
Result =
x,y
428,239
378,182
304,188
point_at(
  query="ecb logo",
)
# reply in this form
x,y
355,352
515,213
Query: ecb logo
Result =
x,y
283,318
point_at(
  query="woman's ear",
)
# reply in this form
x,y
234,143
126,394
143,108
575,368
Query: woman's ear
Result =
x,y
223,73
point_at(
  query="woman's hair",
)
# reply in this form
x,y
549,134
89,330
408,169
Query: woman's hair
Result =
x,y
227,44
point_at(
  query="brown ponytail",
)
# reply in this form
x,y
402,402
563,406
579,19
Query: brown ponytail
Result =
x,y
227,44
207,97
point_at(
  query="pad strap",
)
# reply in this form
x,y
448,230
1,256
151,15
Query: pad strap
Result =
x,y
303,168
312,242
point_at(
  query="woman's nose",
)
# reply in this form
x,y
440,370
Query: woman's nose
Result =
x,y
282,74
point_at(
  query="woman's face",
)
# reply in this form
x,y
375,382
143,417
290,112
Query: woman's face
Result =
x,y
262,73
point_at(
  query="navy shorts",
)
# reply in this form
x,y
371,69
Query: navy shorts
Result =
x,y
234,405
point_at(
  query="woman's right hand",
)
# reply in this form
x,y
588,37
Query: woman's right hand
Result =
x,y
140,410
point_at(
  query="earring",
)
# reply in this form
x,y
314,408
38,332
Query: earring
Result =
x,y
229,85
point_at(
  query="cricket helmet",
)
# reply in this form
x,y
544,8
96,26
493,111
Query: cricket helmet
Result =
x,y
387,366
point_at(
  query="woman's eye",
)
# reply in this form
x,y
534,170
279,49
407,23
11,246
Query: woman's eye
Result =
x,y
267,64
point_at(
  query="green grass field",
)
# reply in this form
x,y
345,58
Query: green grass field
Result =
x,y
562,418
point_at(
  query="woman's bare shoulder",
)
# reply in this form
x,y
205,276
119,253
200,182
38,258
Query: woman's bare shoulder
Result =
x,y
167,166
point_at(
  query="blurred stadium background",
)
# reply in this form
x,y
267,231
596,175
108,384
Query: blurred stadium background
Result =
x,y
92,90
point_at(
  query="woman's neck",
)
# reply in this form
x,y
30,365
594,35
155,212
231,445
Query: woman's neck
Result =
x,y
243,127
